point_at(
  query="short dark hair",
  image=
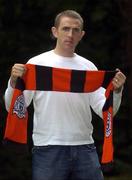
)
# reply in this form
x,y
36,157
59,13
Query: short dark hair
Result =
x,y
68,13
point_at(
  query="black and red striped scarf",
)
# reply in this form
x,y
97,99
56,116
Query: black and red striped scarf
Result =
x,y
65,80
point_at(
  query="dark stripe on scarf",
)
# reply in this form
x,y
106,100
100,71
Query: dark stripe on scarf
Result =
x,y
43,74
108,102
107,78
20,84
77,81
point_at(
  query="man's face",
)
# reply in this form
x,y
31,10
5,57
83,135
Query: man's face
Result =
x,y
68,33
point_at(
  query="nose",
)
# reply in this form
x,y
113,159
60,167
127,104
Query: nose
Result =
x,y
70,33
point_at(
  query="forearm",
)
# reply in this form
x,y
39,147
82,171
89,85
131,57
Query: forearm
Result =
x,y
8,95
116,101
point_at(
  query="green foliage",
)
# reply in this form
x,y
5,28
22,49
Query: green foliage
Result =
x,y
104,33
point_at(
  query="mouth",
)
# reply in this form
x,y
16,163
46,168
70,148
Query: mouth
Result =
x,y
68,42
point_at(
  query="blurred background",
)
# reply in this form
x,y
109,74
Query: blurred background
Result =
x,y
25,31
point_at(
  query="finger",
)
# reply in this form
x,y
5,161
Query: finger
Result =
x,y
117,69
119,75
19,68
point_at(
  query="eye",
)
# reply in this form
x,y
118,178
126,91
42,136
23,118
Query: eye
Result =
x,y
77,30
65,29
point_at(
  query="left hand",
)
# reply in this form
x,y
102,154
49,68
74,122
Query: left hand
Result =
x,y
118,81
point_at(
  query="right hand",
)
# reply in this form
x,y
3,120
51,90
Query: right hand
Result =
x,y
18,70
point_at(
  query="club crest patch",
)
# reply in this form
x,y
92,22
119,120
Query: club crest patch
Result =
x,y
108,126
19,107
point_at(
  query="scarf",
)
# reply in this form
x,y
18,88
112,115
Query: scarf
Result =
x,y
65,80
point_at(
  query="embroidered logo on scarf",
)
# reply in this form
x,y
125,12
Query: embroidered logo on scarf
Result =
x,y
108,126
19,107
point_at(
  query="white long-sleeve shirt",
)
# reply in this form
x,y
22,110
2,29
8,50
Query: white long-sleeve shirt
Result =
x,y
63,118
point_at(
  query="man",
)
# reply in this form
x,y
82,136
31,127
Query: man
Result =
x,y
63,147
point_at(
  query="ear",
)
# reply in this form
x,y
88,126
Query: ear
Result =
x,y
83,33
54,31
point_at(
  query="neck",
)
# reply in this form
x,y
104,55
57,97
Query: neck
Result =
x,y
65,53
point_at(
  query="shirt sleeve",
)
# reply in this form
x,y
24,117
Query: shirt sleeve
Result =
x,y
97,100
28,95
117,97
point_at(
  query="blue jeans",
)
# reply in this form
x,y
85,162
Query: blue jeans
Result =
x,y
56,162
